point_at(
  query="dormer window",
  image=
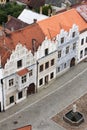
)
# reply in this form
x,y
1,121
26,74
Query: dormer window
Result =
x,y
46,51
19,63
73,34
62,40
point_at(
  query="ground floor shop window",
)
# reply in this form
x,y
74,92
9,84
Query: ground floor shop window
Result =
x,y
51,75
41,81
20,95
11,99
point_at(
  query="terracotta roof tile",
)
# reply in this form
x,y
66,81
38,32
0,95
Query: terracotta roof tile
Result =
x,y
28,127
60,21
24,36
23,72
49,27
15,24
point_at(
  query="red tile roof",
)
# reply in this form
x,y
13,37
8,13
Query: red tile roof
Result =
x,y
49,27
65,20
15,24
24,36
23,72
28,127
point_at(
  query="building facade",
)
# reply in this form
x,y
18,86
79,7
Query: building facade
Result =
x,y
33,56
67,49
2,2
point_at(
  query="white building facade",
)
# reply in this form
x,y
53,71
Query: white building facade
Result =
x,y
82,46
67,49
19,77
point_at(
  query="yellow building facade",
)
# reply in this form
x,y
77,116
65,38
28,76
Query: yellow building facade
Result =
x,y
2,1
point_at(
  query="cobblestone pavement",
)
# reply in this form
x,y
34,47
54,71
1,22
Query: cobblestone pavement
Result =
x,y
81,107
38,109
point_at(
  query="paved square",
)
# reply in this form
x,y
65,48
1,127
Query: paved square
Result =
x,y
81,107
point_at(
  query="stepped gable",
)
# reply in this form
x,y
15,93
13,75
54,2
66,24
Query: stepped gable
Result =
x,y
23,36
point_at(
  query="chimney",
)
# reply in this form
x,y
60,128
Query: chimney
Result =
x,y
9,17
40,9
12,29
33,45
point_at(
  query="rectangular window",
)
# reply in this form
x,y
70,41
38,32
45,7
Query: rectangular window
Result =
x,y
23,79
11,99
86,39
52,62
74,46
62,40
81,53
30,73
58,69
46,51
59,54
82,41
19,63
67,50
41,81
65,65
41,68
51,75
11,82
85,51
46,65
73,34
20,95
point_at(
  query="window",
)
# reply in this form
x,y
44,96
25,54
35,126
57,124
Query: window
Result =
x,y
51,75
11,99
52,62
46,51
62,40
41,81
30,73
59,54
41,68
20,95
85,51
74,46
65,65
86,39
81,53
11,82
82,41
46,65
19,63
58,69
73,34
23,79
67,50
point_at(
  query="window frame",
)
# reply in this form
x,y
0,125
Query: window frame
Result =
x,y
19,63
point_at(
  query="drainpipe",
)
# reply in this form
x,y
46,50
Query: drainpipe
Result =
x,y
3,94
37,76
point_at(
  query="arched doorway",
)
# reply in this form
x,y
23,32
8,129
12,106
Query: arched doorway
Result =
x,y
72,63
31,89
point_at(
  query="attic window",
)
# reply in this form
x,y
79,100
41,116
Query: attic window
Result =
x,y
19,63
46,51
73,34
62,40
